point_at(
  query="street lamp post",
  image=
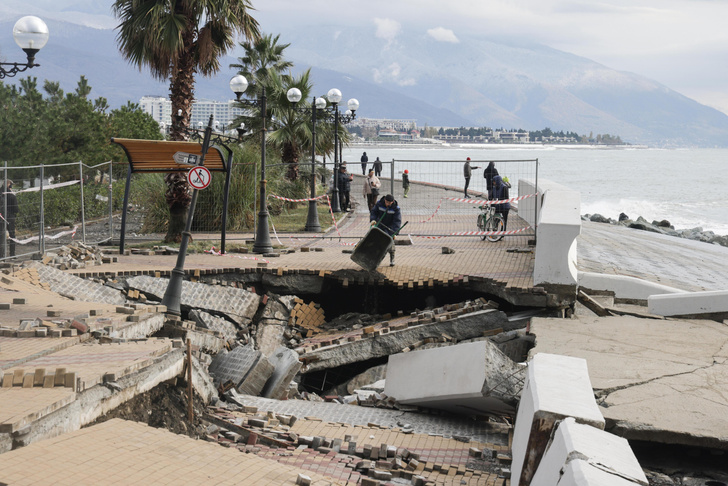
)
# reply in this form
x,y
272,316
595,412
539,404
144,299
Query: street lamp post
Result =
x,y
334,96
294,96
31,34
262,238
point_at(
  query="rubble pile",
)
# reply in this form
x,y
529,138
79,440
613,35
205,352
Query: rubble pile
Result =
x,y
76,255
356,453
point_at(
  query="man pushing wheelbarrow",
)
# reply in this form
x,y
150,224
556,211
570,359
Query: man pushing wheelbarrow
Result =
x,y
386,221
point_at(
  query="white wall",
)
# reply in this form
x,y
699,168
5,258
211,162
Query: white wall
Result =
x,y
559,224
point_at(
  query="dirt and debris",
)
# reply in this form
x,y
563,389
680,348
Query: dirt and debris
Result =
x,y
164,407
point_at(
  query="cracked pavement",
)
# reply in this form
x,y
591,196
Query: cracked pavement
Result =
x,y
658,380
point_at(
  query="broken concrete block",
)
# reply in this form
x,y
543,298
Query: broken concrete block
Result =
x,y
596,448
447,378
556,387
286,365
214,323
246,367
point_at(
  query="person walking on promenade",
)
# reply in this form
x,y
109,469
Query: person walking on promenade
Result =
x,y
468,173
364,162
498,192
10,212
371,189
377,167
388,216
489,173
405,182
344,186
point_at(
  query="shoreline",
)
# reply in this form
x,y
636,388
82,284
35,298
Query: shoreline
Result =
x,y
662,227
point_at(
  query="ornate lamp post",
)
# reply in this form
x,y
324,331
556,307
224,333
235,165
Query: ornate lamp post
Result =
x,y
31,34
294,96
334,96
262,238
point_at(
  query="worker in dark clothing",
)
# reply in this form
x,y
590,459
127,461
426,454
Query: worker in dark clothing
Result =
x,y
387,216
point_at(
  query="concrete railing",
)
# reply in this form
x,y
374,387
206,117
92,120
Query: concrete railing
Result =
x,y
559,223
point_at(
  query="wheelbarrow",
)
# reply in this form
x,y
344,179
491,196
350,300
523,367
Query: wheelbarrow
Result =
x,y
372,249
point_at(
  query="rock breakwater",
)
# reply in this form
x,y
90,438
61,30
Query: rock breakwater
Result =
x,y
664,227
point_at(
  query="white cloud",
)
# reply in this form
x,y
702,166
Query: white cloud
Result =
x,y
443,35
387,29
392,74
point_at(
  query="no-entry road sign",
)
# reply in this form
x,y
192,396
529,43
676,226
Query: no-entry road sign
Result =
x,y
199,177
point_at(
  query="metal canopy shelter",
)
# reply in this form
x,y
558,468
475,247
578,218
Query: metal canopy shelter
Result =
x,y
158,156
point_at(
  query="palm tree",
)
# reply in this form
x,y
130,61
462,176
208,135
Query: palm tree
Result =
x,y
177,39
262,57
293,133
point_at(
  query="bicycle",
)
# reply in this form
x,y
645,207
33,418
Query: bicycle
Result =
x,y
489,220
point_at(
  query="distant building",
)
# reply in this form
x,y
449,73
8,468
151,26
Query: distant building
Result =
x,y
160,109
382,123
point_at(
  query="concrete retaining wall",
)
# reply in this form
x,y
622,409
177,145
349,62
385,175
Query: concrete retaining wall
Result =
x,y
624,287
689,304
559,223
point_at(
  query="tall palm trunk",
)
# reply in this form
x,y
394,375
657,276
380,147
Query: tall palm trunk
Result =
x,y
178,194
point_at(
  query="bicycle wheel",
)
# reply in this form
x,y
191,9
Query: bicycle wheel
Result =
x,y
494,224
481,224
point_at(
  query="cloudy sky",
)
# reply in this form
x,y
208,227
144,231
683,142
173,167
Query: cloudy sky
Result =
x,y
682,44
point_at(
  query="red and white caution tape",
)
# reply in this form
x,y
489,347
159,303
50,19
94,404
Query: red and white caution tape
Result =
x,y
486,202
215,251
477,233
481,202
298,200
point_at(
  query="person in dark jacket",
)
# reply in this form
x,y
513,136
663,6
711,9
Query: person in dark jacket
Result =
x,y
364,162
468,173
387,216
344,186
489,173
405,182
499,192
10,214
377,166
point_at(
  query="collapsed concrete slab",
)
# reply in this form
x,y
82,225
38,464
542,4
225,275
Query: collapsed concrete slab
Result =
x,y
214,323
273,323
247,369
286,364
597,449
556,387
464,378
238,304
401,336
73,287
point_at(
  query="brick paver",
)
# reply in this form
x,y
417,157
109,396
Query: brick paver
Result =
x,y
121,452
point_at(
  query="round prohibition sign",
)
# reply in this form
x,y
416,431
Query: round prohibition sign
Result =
x,y
199,177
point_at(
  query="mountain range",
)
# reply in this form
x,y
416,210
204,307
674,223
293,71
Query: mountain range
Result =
x,y
475,81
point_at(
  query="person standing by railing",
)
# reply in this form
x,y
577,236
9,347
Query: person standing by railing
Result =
x,y
468,173
371,189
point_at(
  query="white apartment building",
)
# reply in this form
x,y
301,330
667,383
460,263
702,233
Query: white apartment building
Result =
x,y
160,108
385,123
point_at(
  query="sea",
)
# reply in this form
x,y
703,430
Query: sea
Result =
x,y
687,187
